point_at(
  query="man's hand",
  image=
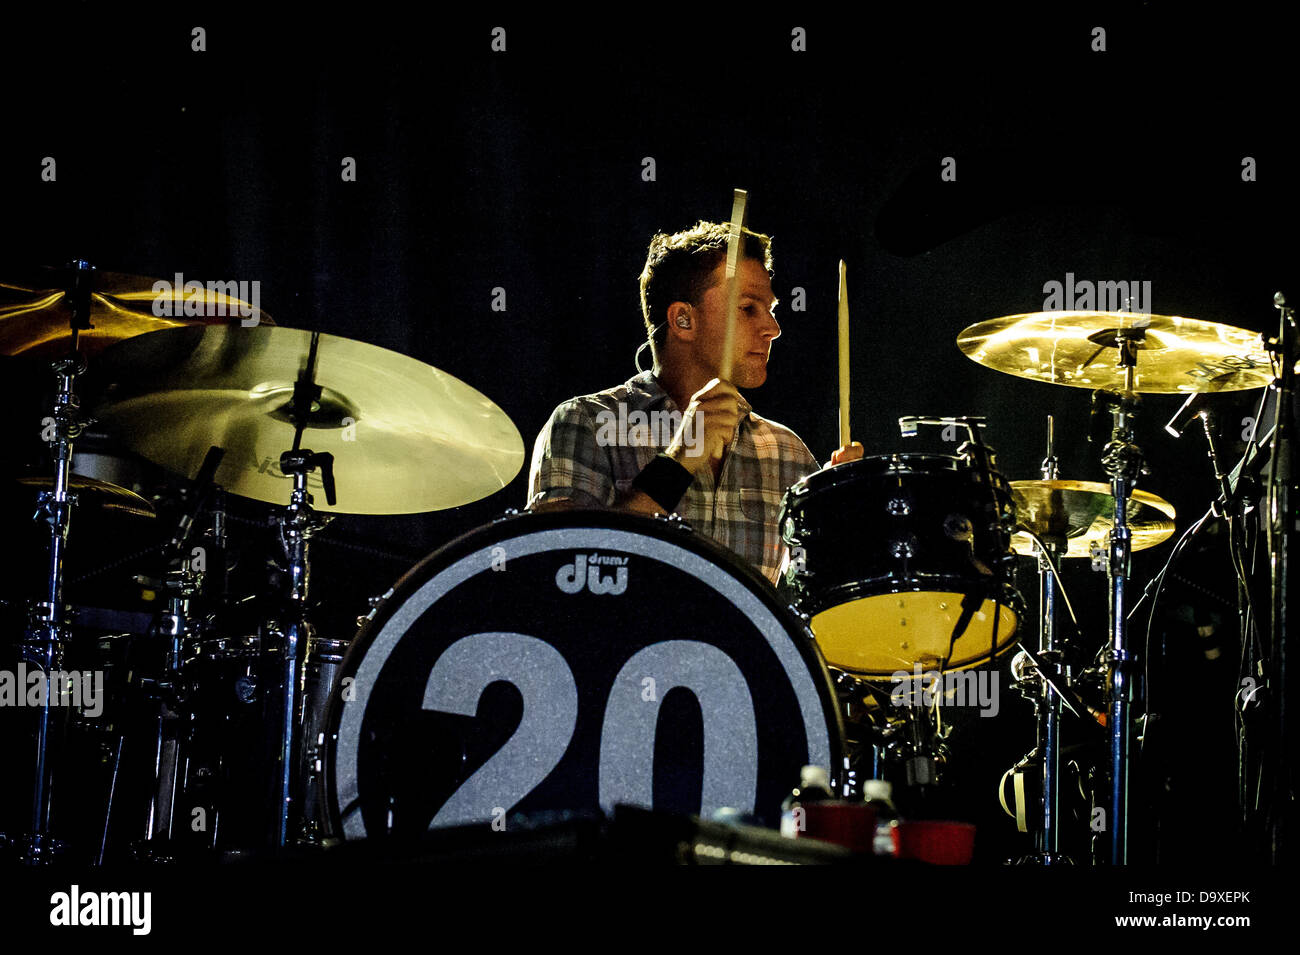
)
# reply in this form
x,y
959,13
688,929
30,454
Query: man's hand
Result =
x,y
850,452
708,425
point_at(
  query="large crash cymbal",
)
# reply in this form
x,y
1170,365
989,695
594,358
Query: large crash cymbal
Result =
x,y
406,437
34,312
1175,354
1083,512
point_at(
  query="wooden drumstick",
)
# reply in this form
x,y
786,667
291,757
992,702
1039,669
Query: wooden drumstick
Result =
x,y
739,198
844,360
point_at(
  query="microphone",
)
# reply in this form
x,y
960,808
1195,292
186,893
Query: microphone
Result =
x,y
79,295
1193,408
202,485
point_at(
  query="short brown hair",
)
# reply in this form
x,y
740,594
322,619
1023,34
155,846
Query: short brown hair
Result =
x,y
679,266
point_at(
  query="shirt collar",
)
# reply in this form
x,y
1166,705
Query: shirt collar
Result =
x,y
647,386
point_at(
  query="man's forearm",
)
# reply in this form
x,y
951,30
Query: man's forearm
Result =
x,y
634,501
638,502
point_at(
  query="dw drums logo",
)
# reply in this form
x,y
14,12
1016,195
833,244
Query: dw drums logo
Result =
x,y
585,572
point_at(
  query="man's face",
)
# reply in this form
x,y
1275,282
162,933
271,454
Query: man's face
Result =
x,y
755,325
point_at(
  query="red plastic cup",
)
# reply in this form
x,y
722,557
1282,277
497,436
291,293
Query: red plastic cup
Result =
x,y
938,843
848,824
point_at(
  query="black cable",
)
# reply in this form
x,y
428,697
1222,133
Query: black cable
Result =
x,y
1060,584
1155,600
120,561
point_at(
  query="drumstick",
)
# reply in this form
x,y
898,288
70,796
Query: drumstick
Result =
x,y
844,360
739,198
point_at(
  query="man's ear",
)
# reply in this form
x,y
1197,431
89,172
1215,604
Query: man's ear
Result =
x,y
682,321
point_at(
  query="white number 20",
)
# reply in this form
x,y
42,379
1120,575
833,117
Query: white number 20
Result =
x,y
627,739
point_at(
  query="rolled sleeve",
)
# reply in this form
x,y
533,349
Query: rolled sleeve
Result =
x,y
568,463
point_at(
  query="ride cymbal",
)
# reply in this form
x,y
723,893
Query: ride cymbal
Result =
x,y
1174,355
406,437
1083,513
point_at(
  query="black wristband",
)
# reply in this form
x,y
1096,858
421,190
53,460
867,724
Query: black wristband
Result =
x,y
664,481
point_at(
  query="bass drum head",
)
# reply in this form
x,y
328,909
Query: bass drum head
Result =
x,y
569,662
881,635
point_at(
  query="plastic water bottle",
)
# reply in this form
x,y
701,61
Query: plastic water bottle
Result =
x,y
880,796
814,786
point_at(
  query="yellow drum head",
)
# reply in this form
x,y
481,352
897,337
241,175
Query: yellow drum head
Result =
x,y
880,635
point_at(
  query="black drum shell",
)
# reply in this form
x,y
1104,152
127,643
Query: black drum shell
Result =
x,y
897,524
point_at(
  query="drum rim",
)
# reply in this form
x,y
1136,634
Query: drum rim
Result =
x,y
853,472
916,583
831,473
671,530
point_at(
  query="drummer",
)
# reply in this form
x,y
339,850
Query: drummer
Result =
x,y
719,465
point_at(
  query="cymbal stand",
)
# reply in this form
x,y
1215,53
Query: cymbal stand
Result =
x,y
169,692
1281,525
172,720
44,642
1047,703
298,524
1122,460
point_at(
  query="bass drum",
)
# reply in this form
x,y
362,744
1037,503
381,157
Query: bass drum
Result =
x,y
567,662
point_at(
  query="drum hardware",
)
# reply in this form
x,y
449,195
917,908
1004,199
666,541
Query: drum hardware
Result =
x,y
170,691
1281,525
298,524
1035,683
44,641
430,442
1100,351
171,724
880,733
324,657
1122,460
1048,698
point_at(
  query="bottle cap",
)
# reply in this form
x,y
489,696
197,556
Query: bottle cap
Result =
x,y
815,777
877,789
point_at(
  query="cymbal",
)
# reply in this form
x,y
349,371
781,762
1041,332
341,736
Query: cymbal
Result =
x,y
34,312
99,494
1078,349
1084,513
406,437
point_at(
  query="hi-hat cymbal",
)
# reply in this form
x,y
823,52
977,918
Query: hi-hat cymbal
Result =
x,y
34,313
1078,349
1083,512
102,495
406,437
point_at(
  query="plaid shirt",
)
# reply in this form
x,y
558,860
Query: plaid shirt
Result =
x,y
587,455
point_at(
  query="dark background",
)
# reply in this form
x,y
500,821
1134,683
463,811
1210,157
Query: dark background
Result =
x,y
523,170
